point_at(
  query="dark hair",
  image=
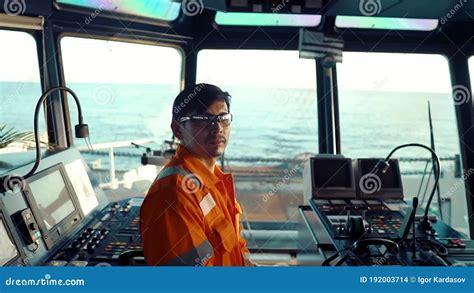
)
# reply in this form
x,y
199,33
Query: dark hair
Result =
x,y
196,99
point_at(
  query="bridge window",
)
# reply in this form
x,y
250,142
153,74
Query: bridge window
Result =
x,y
266,19
127,91
387,23
20,88
275,126
383,102
163,10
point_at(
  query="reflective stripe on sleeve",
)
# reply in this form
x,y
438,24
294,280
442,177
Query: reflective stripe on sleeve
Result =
x,y
197,256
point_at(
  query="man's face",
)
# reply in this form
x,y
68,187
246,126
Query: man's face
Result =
x,y
206,139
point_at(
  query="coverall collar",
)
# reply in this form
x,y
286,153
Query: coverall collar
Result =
x,y
197,167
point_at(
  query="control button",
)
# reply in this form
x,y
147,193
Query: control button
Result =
x,y
89,230
95,240
33,226
104,232
90,246
81,240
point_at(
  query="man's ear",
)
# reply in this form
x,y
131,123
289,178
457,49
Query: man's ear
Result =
x,y
176,128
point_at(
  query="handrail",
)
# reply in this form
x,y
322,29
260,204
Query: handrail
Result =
x,y
98,149
116,144
111,153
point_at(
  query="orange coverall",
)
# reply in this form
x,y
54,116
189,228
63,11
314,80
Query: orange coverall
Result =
x,y
191,217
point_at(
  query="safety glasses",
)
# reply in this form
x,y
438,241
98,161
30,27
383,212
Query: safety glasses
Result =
x,y
205,120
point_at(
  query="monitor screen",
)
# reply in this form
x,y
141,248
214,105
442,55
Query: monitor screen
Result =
x,y
332,173
388,180
8,250
52,198
81,183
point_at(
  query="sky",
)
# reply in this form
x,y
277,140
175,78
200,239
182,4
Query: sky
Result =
x,y
101,61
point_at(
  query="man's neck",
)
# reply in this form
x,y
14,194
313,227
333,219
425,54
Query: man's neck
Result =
x,y
210,163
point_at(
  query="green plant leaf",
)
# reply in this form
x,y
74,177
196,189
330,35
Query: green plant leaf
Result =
x,y
9,135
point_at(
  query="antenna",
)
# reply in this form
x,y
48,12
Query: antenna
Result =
x,y
432,145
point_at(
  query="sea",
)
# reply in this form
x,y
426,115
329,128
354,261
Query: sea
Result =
x,y
269,123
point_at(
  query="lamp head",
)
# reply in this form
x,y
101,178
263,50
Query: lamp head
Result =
x,y
82,130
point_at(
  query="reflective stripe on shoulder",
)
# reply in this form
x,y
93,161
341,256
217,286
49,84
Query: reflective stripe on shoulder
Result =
x,y
191,183
168,171
198,256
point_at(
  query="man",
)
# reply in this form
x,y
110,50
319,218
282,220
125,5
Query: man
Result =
x,y
190,215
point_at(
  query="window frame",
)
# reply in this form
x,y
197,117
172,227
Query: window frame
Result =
x,y
66,111
39,58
